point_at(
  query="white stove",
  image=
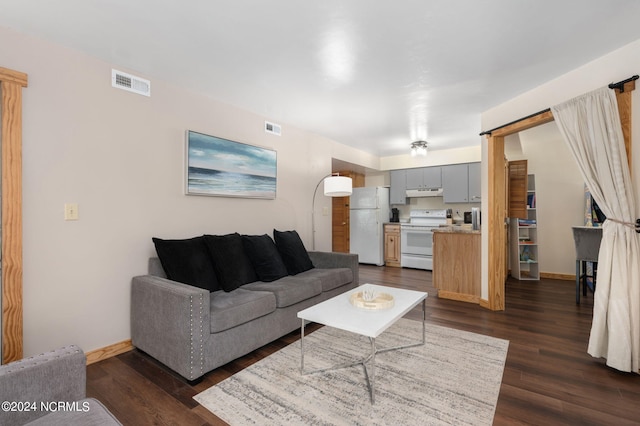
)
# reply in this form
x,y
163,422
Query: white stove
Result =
x,y
416,239
428,218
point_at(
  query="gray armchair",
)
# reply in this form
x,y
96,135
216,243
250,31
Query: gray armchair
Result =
x,y
50,389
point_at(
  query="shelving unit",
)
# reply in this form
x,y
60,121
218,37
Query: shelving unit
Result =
x,y
524,239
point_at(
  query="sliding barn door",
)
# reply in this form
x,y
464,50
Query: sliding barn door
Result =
x,y
518,189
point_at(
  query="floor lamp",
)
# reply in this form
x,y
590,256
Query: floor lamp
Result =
x,y
334,186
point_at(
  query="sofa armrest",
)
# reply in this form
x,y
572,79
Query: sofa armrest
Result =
x,y
328,260
170,321
59,375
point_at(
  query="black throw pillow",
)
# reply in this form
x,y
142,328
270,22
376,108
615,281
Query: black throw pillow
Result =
x,y
232,265
264,257
292,251
187,261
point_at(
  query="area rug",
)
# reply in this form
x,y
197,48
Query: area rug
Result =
x,y
453,379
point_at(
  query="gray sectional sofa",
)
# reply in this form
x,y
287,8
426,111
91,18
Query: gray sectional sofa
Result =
x,y
194,330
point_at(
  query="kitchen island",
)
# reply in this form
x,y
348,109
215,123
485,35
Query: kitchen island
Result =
x,y
456,263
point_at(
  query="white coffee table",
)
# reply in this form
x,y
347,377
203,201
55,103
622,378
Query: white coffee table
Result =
x,y
338,312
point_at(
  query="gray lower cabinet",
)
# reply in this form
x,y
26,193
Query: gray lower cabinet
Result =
x,y
455,183
398,190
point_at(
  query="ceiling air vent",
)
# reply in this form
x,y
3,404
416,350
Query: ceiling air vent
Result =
x,y
272,128
131,83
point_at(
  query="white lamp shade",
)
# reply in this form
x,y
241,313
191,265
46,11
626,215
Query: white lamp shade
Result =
x,y
337,186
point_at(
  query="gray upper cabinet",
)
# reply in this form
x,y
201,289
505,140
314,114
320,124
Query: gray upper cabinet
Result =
x,y
461,183
455,183
398,190
424,178
475,190
432,177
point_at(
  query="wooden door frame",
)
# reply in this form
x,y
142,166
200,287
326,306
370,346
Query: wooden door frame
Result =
x,y
496,231
11,84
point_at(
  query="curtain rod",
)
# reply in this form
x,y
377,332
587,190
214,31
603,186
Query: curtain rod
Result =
x,y
619,85
488,132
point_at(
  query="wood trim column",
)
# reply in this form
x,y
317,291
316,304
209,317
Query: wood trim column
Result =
x,y
496,225
624,109
497,187
11,84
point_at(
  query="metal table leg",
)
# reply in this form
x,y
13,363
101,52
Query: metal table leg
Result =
x,y
368,362
371,375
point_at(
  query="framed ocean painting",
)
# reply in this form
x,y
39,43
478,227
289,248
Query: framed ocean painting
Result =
x,y
224,168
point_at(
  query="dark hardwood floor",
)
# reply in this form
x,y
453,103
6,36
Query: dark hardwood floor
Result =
x,y
549,379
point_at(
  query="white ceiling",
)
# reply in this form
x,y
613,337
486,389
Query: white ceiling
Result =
x,y
375,75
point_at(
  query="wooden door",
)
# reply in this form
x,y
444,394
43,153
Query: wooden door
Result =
x,y
340,215
340,224
516,193
517,185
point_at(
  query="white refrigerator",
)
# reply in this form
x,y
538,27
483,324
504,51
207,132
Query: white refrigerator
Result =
x,y
368,211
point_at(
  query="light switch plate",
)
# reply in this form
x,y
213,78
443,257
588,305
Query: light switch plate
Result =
x,y
71,211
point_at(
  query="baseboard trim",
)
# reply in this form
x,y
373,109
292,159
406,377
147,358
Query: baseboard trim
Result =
x,y
458,296
109,351
554,276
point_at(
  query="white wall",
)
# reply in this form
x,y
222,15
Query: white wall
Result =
x,y
120,156
433,158
559,193
615,66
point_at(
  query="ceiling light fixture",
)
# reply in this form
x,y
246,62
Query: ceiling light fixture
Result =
x,y
419,149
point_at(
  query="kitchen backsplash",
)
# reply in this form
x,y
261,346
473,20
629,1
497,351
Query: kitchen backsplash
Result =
x,y
434,203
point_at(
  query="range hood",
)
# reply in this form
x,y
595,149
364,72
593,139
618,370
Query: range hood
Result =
x,y
433,192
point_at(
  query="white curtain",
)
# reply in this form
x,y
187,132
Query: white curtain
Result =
x,y
590,124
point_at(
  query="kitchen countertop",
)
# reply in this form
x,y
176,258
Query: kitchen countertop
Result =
x,y
456,229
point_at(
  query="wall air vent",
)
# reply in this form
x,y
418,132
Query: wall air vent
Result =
x,y
131,83
272,128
